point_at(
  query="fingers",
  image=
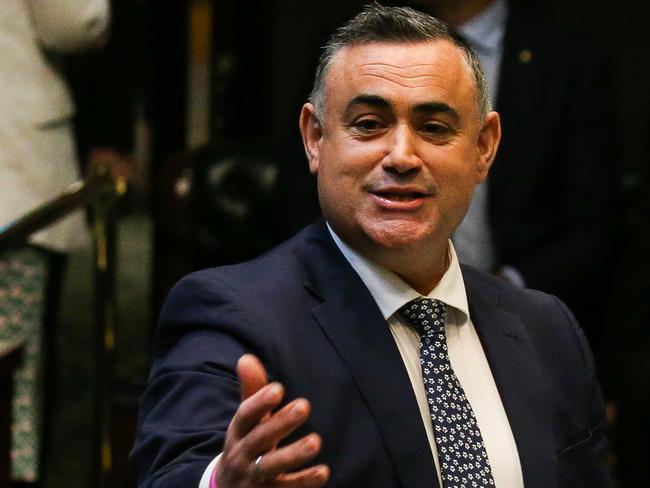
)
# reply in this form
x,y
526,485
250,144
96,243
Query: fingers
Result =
x,y
256,407
291,457
257,428
248,439
313,477
265,436
252,378
252,375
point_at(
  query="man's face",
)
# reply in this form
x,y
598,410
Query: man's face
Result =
x,y
401,145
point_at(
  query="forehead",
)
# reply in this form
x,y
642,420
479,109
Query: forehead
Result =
x,y
425,70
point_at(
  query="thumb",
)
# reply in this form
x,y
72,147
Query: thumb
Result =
x,y
252,375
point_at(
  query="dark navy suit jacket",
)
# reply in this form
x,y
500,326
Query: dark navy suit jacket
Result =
x,y
303,310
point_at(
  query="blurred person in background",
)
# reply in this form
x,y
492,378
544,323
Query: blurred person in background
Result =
x,y
38,160
104,83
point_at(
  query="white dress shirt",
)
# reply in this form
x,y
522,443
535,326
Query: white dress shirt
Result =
x,y
465,353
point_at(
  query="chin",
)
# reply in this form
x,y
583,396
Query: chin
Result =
x,y
401,235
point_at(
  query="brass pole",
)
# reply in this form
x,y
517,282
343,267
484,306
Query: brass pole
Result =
x,y
104,235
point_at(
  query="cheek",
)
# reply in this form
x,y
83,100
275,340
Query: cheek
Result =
x,y
456,195
348,162
337,185
456,182
457,167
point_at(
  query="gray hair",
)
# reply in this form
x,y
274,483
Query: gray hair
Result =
x,y
376,23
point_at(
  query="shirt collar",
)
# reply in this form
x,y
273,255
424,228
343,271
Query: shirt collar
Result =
x,y
391,292
485,31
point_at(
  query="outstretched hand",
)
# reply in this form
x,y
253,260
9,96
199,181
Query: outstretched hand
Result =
x,y
250,455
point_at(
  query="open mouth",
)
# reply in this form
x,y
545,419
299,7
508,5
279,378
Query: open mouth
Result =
x,y
400,199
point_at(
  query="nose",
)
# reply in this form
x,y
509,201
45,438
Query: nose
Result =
x,y
402,156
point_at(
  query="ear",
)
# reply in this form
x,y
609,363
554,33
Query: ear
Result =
x,y
487,144
312,135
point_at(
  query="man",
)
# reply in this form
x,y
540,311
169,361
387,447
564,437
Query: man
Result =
x,y
398,132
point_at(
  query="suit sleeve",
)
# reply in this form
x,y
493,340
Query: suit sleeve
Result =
x,y
67,26
584,459
193,391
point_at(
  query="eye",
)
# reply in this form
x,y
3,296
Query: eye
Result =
x,y
367,125
436,129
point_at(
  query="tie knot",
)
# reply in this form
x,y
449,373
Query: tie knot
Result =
x,y
426,314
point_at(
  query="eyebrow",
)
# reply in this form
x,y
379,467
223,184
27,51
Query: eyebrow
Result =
x,y
380,102
367,100
436,107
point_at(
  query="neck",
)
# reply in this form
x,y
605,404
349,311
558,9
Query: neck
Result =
x,y
457,12
421,264
423,283
422,271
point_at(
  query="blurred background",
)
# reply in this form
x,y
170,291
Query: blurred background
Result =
x,y
196,102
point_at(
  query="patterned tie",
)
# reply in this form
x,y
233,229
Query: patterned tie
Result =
x,y
461,451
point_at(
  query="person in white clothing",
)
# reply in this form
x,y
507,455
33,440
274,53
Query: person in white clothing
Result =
x,y
38,160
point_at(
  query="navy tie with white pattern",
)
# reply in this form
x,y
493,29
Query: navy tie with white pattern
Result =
x,y
461,452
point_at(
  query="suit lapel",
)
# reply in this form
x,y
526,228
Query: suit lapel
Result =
x,y
520,381
354,325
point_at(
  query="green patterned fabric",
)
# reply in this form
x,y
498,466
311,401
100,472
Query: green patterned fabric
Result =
x,y
22,285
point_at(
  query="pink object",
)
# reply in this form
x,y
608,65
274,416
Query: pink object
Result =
x,y
213,478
